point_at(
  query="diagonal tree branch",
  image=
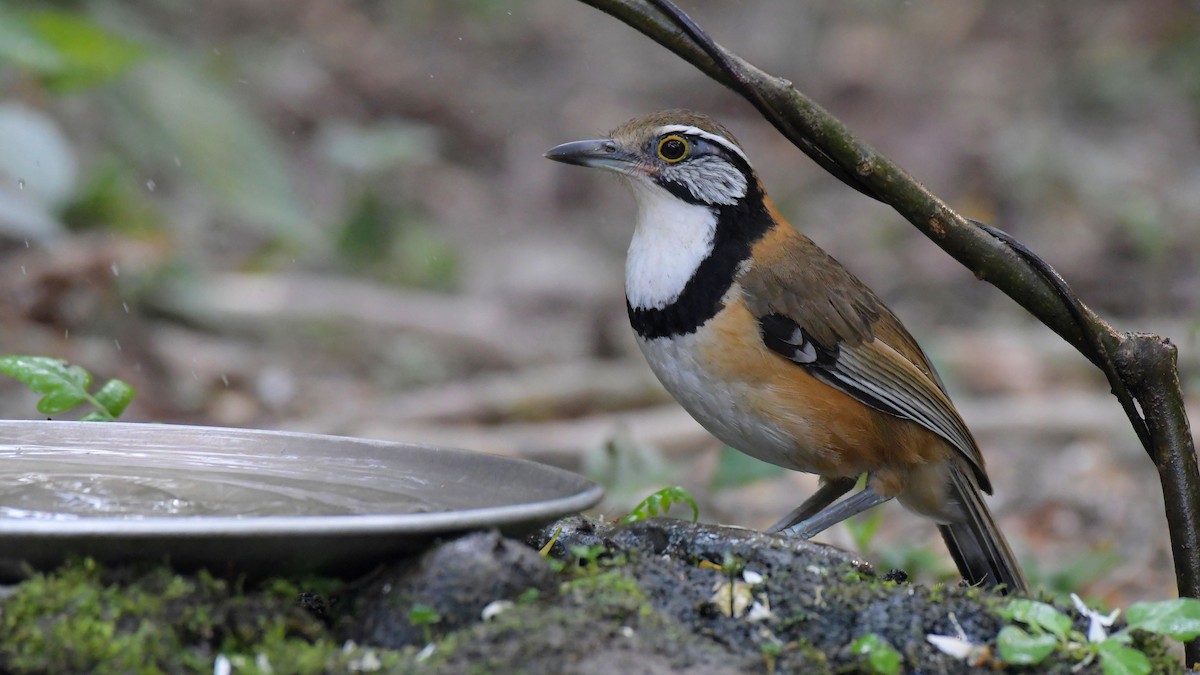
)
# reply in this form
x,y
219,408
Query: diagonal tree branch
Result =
x,y
1141,368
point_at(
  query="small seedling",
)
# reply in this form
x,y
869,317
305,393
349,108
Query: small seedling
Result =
x,y
660,502
771,651
424,616
587,555
64,386
882,658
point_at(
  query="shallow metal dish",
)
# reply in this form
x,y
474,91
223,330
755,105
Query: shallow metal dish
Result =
x,y
187,494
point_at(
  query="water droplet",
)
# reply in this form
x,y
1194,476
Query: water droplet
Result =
x,y
20,183
216,51
23,272
137,367
115,270
118,344
225,379
26,243
126,306
151,185
66,333
178,162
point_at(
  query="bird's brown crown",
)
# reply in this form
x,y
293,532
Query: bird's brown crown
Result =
x,y
640,130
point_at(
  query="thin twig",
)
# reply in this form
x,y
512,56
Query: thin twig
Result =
x,y
742,86
1075,306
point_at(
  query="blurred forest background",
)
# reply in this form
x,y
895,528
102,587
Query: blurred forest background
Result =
x,y
333,216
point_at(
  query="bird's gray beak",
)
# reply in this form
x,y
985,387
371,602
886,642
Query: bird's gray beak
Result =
x,y
601,153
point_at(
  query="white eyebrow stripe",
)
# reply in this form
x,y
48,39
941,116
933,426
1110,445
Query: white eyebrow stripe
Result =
x,y
693,131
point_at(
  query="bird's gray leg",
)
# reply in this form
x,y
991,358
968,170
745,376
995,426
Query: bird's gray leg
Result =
x,y
835,514
828,493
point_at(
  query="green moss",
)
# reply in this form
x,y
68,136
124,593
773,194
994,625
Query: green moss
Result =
x,y
84,618
604,613
611,587
599,605
802,656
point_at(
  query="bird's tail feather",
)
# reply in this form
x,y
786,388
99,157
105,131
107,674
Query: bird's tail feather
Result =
x,y
976,543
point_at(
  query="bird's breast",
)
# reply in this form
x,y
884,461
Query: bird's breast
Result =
x,y
727,381
759,403
719,406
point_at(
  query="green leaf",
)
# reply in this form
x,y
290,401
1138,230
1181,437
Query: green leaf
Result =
x,y
90,55
62,385
882,658
67,50
1022,649
660,502
1037,615
1117,659
423,615
736,469
173,113
586,554
115,396
864,527
1179,618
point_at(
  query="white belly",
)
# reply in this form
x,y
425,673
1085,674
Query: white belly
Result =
x,y
719,406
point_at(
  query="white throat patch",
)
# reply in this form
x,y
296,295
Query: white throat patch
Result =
x,y
670,240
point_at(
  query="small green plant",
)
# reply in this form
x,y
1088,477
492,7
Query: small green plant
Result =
x,y
882,658
732,564
587,555
863,529
424,616
660,502
1050,629
771,651
64,386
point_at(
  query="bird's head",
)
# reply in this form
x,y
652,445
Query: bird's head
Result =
x,y
683,152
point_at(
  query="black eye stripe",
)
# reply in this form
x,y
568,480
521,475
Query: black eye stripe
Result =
x,y
697,146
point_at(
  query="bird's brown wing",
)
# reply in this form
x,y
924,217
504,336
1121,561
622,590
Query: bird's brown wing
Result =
x,y
818,315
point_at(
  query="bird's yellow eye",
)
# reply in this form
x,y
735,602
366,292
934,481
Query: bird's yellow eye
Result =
x,y
673,149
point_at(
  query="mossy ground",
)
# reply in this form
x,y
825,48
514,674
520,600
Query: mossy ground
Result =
x,y
84,618
655,597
